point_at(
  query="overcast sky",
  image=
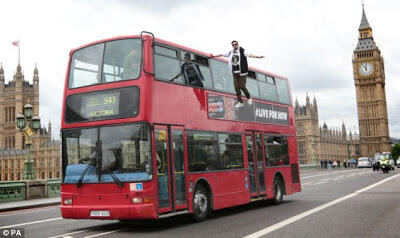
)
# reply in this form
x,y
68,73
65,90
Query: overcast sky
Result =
x,y
309,41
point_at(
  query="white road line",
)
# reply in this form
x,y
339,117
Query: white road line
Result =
x,y
317,175
314,210
18,213
306,183
104,233
29,223
76,232
320,182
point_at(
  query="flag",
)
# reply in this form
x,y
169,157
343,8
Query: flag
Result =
x,y
16,43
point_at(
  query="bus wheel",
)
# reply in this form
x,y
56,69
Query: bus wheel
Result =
x,y
200,203
278,191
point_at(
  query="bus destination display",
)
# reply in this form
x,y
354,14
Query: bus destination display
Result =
x,y
100,105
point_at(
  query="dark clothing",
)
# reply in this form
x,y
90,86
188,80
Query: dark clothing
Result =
x,y
240,84
243,62
192,74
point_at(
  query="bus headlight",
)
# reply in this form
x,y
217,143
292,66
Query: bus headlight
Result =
x,y
68,201
137,200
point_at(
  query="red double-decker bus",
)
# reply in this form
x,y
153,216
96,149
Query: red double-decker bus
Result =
x,y
150,130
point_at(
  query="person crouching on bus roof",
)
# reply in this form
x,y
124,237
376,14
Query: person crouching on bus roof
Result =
x,y
239,68
191,73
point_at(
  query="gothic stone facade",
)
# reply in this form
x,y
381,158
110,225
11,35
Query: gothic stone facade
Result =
x,y
317,143
369,80
44,151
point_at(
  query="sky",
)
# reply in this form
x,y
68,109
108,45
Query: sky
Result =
x,y
310,41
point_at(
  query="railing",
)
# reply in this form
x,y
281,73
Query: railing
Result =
x,y
12,191
309,167
53,187
17,191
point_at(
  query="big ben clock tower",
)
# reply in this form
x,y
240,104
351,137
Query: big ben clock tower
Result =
x,y
369,79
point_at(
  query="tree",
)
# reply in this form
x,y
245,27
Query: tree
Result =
x,y
396,152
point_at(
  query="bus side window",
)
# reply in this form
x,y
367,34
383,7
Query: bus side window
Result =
x,y
267,87
167,69
195,70
283,91
252,84
276,150
223,79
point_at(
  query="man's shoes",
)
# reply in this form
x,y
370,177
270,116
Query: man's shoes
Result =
x,y
240,104
250,101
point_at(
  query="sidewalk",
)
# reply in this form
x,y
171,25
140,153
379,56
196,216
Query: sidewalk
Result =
x,y
43,202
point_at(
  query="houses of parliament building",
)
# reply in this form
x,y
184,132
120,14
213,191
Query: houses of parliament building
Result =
x,y
45,152
316,143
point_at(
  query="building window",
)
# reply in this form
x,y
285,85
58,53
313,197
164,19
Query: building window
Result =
x,y
302,148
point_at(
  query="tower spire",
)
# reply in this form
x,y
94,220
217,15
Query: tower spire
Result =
x,y
1,72
364,21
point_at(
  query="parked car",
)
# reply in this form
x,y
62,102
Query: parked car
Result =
x,y
363,162
398,163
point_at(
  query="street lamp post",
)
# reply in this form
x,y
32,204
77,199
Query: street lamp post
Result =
x,y
28,125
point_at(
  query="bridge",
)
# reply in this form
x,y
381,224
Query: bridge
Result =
x,y
333,203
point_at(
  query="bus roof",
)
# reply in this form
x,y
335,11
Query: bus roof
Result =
x,y
165,42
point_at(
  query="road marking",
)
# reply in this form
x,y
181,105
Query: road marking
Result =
x,y
324,181
17,213
317,175
306,183
72,233
104,233
314,210
29,223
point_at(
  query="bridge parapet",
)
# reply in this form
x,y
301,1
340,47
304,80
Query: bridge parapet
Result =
x,y
27,189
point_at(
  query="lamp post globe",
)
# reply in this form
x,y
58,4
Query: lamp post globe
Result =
x,y
28,111
20,121
35,123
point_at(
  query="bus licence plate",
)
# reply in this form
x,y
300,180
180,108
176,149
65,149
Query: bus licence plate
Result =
x,y
99,213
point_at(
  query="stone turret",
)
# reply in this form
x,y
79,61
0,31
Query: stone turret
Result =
x,y
1,73
36,90
49,129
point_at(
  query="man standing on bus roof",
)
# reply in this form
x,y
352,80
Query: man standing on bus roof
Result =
x,y
239,68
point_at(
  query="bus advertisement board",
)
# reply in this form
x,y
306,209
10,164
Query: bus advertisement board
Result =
x,y
220,107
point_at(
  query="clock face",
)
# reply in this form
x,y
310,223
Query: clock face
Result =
x,y
366,69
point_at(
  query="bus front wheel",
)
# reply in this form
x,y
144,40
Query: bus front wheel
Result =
x,y
201,203
278,191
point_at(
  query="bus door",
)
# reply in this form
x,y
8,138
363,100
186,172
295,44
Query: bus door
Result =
x,y
170,168
255,163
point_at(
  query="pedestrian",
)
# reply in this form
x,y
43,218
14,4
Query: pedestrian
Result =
x,y
239,68
325,164
322,164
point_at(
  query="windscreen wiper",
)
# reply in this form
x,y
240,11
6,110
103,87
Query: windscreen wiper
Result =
x,y
116,179
79,183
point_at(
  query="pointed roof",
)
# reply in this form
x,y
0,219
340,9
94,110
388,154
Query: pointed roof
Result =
x,y
1,72
364,21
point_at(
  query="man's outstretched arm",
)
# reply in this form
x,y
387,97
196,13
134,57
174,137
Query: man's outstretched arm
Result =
x,y
256,56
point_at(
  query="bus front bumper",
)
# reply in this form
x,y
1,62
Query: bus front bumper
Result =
x,y
109,212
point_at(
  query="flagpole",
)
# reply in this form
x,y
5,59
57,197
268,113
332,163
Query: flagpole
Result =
x,y
19,45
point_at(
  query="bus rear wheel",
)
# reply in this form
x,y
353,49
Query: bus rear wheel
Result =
x,y
278,191
201,204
